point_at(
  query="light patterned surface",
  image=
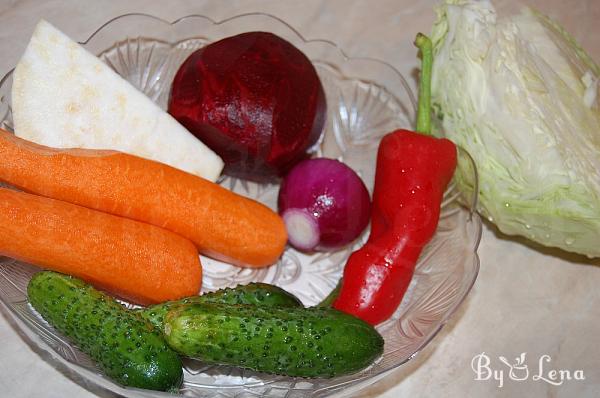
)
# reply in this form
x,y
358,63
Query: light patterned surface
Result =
x,y
526,299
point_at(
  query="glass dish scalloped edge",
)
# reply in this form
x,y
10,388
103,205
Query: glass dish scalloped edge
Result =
x,y
366,98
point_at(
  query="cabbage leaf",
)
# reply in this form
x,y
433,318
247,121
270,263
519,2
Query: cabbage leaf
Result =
x,y
520,96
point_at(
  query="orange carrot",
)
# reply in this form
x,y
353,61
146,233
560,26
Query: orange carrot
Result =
x,y
221,223
133,260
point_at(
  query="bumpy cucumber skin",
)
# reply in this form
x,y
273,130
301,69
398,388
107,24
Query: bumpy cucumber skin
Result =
x,y
125,346
256,293
302,342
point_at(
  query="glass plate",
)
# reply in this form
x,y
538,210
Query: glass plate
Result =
x,y
366,98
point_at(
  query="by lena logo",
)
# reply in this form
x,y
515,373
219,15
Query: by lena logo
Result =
x,y
518,370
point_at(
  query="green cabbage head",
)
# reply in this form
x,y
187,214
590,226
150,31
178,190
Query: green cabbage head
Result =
x,y
520,96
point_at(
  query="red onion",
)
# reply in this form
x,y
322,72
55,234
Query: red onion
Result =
x,y
324,204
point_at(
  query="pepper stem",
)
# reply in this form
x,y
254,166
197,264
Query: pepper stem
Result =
x,y
424,107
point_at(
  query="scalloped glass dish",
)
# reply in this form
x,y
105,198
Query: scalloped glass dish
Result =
x,y
366,98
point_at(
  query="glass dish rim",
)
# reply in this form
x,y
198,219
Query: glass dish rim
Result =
x,y
471,206
331,43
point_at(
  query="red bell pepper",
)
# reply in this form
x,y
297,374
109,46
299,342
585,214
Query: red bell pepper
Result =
x,y
412,172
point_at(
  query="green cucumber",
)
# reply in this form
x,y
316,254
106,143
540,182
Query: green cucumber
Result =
x,y
255,293
303,342
126,347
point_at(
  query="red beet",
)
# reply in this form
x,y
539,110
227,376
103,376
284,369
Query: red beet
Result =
x,y
255,99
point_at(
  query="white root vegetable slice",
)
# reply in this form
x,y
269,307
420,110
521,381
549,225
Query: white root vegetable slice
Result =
x,y
65,97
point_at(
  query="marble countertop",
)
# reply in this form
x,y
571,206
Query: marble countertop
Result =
x,y
526,299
